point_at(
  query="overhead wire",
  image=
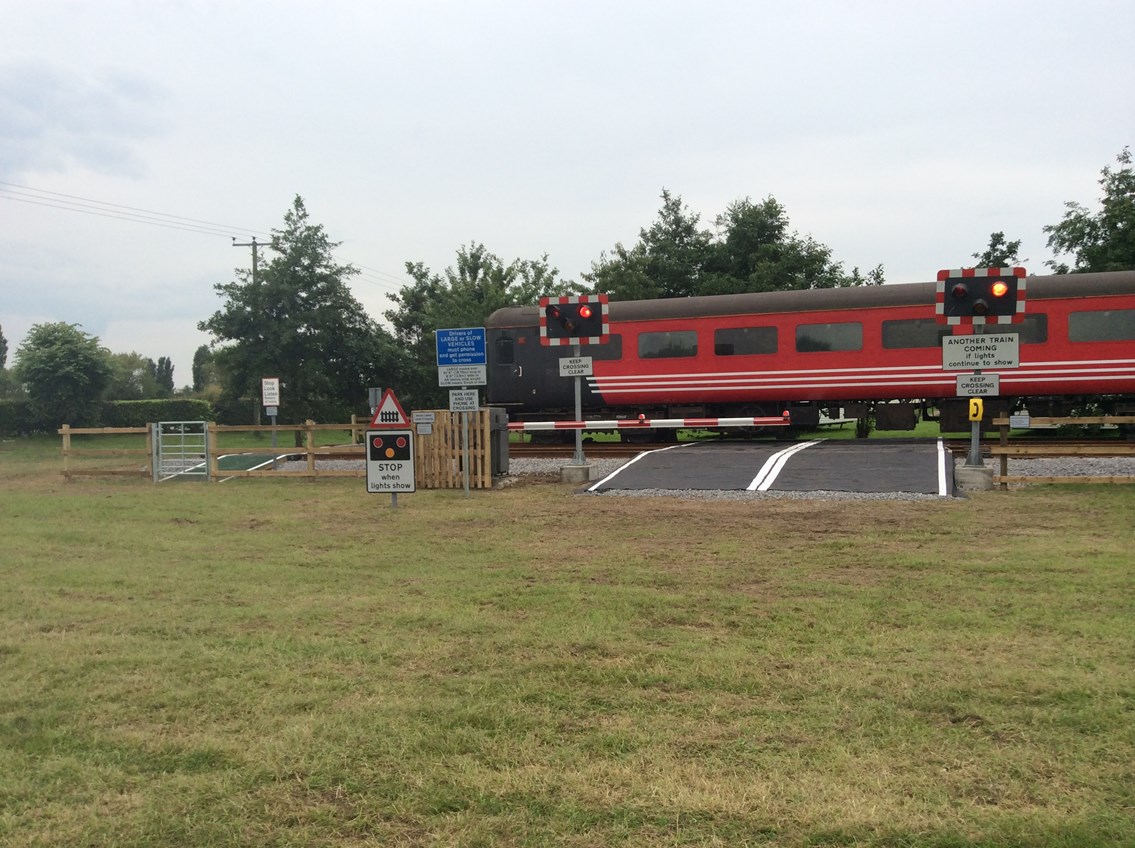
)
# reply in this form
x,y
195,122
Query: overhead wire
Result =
x,y
18,193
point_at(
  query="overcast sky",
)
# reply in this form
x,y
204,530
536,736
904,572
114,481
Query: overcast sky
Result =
x,y
901,133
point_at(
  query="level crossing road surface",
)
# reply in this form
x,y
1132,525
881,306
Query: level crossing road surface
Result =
x,y
918,466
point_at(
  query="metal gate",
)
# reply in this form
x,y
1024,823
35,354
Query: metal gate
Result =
x,y
181,450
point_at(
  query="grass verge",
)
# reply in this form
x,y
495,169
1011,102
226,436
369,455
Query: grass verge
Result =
x,y
295,663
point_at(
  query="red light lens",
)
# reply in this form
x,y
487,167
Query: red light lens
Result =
x,y
584,311
999,289
960,290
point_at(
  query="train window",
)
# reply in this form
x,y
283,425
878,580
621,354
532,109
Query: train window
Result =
x,y
506,351
1105,325
610,349
847,335
667,345
913,332
1032,330
744,341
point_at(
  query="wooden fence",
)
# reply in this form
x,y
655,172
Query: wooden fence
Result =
x,y
1003,450
438,455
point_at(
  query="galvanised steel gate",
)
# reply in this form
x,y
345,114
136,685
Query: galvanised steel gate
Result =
x,y
181,450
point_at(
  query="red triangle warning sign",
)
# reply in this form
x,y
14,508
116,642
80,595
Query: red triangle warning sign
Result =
x,y
389,412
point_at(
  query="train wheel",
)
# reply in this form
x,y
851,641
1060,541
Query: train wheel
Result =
x,y
752,411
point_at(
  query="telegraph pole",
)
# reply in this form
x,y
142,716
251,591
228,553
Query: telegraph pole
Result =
x,y
255,245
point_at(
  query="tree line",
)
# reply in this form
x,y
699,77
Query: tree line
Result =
x,y
296,318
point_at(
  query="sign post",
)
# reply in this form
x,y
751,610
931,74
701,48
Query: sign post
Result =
x,y
462,361
390,450
270,397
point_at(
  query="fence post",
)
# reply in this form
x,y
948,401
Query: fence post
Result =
x,y
212,471
65,431
309,440
1004,440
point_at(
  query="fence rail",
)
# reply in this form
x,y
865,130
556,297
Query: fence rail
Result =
x,y
439,455
1003,450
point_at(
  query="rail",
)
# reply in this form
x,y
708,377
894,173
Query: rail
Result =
x,y
1003,450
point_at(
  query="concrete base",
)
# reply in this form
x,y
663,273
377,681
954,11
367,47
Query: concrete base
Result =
x,y
973,478
575,473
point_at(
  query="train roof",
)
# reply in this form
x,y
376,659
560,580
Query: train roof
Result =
x,y
853,297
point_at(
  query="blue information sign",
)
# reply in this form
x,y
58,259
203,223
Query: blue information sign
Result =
x,y
464,346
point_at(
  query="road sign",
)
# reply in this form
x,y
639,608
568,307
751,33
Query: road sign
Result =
x,y
461,375
576,366
389,412
270,391
463,400
461,357
979,385
390,461
465,346
981,352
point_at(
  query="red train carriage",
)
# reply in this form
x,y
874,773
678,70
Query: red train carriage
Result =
x,y
758,354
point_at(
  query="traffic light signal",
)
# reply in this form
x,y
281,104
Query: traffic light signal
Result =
x,y
579,319
390,447
981,295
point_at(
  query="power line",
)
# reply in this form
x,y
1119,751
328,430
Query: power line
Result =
x,y
18,193
102,208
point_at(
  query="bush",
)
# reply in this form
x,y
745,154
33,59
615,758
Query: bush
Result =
x,y
16,417
19,416
139,413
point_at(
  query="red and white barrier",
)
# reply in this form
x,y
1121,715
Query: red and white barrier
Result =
x,y
641,423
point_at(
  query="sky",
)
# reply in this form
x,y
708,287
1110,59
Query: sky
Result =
x,y
140,138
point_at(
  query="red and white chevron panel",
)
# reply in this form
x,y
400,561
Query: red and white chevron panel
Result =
x,y
945,276
599,300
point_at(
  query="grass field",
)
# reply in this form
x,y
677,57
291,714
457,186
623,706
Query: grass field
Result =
x,y
294,663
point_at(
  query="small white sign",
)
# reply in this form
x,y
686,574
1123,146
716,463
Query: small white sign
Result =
x,y
981,351
463,400
462,375
1020,422
423,417
979,385
576,366
270,391
390,461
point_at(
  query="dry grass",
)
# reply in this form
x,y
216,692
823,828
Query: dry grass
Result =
x,y
295,663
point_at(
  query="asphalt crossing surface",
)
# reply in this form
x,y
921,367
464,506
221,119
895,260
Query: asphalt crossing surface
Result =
x,y
918,466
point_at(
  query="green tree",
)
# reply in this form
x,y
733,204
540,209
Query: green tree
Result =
x,y
1104,241
297,320
754,249
64,372
463,296
3,349
1000,253
669,259
163,376
204,370
134,378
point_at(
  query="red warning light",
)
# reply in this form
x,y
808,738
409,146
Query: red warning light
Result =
x,y
584,311
999,289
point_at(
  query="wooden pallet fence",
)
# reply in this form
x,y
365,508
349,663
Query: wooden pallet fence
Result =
x,y
438,456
